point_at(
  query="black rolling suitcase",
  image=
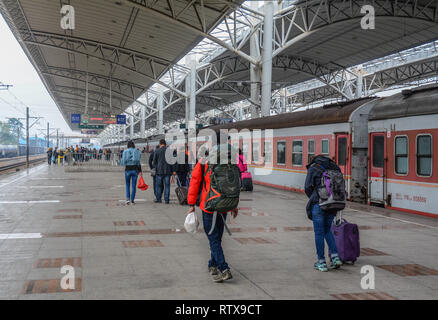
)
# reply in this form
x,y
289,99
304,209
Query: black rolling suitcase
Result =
x,y
247,181
181,193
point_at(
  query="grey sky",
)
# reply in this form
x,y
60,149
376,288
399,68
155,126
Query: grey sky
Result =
x,y
16,69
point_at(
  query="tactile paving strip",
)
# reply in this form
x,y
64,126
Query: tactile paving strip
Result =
x,y
58,262
142,244
364,296
256,240
69,210
49,286
254,214
409,270
372,252
74,216
128,223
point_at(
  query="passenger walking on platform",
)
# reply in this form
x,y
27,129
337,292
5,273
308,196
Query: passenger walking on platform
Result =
x,y
131,161
153,173
183,169
241,163
322,220
163,172
55,156
214,218
49,156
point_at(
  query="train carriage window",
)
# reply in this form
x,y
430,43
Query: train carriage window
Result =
x,y
378,151
255,152
310,149
245,152
281,152
297,153
401,155
325,147
342,151
268,152
424,155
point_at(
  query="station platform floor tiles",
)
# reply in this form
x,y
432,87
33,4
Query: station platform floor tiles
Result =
x,y
50,218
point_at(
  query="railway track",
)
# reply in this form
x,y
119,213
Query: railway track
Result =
x,y
5,164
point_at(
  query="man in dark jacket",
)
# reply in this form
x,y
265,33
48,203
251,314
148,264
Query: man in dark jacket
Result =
x,y
163,172
182,169
322,220
151,166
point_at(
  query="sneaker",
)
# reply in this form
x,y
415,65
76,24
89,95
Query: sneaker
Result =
x,y
127,202
321,266
226,275
156,201
133,203
335,263
217,277
213,271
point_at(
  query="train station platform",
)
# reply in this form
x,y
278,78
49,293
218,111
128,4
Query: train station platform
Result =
x,y
50,218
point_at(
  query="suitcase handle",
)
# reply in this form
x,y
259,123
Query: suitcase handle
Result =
x,y
338,222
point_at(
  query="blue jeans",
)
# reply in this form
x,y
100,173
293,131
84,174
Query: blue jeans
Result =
x,y
131,179
162,182
217,255
321,225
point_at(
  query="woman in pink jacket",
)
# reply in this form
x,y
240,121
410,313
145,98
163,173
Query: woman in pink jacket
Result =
x,y
241,163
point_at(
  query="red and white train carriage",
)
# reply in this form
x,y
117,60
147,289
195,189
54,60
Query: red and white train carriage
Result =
x,y
403,149
384,147
387,148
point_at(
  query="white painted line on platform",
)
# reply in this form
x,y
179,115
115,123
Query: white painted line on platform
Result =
x,y
29,201
47,179
401,220
9,236
38,187
26,174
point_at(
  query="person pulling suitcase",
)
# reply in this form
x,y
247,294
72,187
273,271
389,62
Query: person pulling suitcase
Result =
x,y
325,188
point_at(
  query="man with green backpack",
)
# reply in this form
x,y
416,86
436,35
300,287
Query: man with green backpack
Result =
x,y
220,183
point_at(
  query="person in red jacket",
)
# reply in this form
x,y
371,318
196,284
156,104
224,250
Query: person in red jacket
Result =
x,y
217,265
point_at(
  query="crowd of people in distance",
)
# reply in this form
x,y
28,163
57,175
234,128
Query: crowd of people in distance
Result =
x,y
77,153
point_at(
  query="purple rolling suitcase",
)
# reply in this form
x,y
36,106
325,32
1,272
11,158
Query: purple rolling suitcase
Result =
x,y
347,239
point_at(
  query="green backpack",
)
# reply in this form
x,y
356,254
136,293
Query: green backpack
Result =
x,y
224,191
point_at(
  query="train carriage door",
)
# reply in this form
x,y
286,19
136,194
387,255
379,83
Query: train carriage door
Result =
x,y
377,164
342,152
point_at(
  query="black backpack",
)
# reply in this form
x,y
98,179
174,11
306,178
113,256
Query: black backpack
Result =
x,y
331,191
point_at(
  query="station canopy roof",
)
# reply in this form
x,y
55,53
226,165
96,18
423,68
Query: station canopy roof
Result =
x,y
115,44
335,41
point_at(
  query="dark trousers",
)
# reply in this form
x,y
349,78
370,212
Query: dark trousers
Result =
x,y
155,186
182,177
162,183
217,258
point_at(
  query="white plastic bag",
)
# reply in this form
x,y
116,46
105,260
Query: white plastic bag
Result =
x,y
191,224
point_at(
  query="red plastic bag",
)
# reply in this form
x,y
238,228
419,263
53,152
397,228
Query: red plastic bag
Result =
x,y
141,184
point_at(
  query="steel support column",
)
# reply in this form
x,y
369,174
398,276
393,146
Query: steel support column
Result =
x,y
187,102
255,75
267,58
192,89
142,121
131,127
160,105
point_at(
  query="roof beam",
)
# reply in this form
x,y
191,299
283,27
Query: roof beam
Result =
x,y
201,31
138,63
301,20
123,96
